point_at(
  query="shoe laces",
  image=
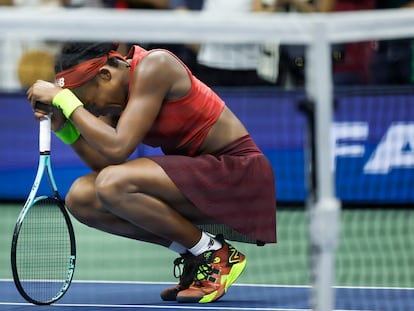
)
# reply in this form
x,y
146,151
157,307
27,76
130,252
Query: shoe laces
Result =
x,y
192,269
185,269
189,269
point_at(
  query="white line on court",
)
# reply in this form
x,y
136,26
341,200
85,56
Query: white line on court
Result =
x,y
209,307
244,285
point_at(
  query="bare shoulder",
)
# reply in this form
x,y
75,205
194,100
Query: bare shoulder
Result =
x,y
160,60
161,68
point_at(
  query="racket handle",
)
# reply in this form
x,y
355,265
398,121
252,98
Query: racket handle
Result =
x,y
44,135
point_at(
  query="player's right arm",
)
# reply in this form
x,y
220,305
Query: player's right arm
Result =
x,y
92,158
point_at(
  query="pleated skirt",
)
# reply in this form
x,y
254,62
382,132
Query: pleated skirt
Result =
x,y
235,186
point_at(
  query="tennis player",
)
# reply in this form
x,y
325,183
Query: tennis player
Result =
x,y
105,105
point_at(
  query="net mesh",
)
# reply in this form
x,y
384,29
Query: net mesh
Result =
x,y
374,257
372,148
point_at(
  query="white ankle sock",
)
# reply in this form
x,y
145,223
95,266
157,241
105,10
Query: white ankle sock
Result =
x,y
178,248
205,244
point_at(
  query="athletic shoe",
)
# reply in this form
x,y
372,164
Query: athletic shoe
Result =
x,y
186,276
216,272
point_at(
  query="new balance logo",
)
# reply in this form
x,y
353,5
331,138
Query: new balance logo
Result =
x,y
234,255
210,244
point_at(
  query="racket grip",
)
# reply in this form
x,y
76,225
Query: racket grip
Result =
x,y
44,135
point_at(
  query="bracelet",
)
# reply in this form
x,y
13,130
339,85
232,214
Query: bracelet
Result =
x,y
68,134
67,102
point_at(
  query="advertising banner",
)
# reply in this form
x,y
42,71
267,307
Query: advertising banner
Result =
x,y
372,141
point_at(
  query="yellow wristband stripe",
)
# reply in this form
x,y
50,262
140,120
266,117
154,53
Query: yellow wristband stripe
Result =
x,y
67,102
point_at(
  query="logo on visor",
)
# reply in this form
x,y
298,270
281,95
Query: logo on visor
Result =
x,y
60,82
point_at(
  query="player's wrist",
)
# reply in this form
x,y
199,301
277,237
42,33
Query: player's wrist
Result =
x,y
60,127
68,133
67,101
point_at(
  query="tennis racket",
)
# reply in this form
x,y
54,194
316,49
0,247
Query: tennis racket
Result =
x,y
43,250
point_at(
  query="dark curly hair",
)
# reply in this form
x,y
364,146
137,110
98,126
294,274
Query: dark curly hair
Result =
x,y
73,53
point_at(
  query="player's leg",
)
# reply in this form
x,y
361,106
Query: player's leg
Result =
x,y
84,205
140,192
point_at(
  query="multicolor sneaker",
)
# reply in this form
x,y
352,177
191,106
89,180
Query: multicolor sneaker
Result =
x,y
217,270
186,276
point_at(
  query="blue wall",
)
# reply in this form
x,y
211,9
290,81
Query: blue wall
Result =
x,y
373,135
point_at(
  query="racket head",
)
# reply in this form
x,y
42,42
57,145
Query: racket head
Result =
x,y
43,252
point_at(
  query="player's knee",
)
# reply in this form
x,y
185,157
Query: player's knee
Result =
x,y
108,185
80,199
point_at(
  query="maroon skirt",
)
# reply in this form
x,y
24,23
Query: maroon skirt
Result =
x,y
235,186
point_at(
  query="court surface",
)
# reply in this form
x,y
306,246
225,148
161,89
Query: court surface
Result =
x,y
373,268
102,295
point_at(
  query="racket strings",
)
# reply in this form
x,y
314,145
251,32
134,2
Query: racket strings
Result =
x,y
43,251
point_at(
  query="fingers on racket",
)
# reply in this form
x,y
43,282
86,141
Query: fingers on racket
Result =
x,y
43,252
39,106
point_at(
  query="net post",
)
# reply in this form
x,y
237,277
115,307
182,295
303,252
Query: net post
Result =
x,y
322,205
8,73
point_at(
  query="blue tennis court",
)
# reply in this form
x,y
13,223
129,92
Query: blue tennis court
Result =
x,y
91,295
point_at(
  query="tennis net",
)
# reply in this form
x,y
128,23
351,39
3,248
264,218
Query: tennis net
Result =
x,y
346,258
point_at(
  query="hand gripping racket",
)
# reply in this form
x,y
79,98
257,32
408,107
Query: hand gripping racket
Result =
x,y
43,248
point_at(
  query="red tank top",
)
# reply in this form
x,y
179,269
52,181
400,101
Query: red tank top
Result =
x,y
182,124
